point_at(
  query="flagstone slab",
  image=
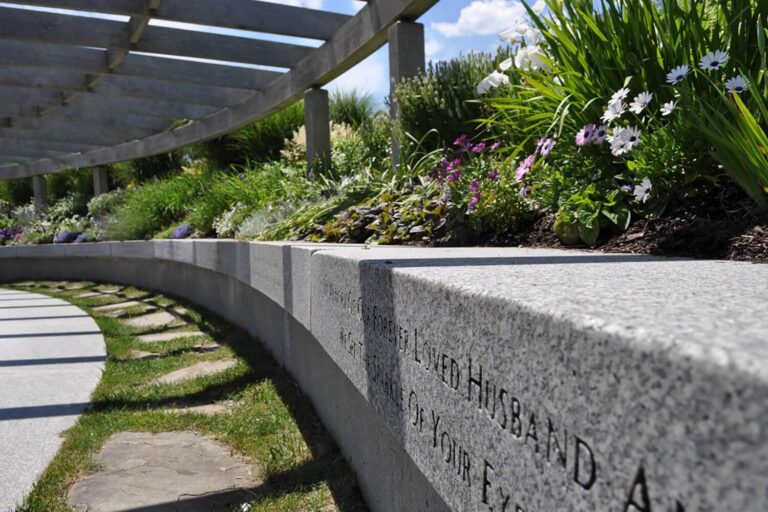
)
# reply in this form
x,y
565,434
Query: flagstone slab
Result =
x,y
165,472
202,369
224,407
118,305
169,336
206,347
157,319
90,295
141,355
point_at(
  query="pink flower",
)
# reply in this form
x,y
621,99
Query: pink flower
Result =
x,y
586,135
472,206
524,168
474,186
493,175
545,146
479,148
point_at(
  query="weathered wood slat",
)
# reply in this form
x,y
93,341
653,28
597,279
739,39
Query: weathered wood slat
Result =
x,y
66,117
115,85
61,29
93,135
92,61
13,144
266,17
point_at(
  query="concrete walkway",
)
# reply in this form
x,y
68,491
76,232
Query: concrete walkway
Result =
x,y
51,358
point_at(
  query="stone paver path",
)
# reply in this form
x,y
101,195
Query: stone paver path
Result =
x,y
165,472
201,369
51,358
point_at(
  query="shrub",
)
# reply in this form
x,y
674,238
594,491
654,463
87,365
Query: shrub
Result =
x,y
443,98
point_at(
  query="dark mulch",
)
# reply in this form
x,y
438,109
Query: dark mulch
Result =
x,y
726,225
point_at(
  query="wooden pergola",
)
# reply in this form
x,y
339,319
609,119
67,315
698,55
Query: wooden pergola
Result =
x,y
108,85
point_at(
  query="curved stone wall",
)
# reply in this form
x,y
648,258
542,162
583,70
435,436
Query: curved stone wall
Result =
x,y
493,379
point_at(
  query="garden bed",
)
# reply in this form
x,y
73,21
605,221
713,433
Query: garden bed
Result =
x,y
725,227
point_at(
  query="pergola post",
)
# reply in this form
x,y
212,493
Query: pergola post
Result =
x,y
100,180
40,193
318,127
406,59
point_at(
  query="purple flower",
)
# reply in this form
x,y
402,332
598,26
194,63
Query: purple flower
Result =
x,y
479,147
627,188
524,168
11,233
462,142
182,231
545,146
454,176
496,146
64,237
472,206
474,186
81,238
493,175
586,135
524,191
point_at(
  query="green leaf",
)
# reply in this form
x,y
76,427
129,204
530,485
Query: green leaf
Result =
x,y
589,234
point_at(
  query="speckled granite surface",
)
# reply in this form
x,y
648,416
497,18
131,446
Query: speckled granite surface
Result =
x,y
546,380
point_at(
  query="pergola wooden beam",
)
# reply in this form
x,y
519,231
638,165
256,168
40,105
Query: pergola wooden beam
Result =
x,y
116,85
72,120
52,28
93,135
252,15
93,61
7,144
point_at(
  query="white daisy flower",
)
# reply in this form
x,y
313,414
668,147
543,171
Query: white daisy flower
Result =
x,y
615,110
620,95
506,64
668,108
737,85
632,138
617,140
677,75
713,61
643,191
623,140
640,102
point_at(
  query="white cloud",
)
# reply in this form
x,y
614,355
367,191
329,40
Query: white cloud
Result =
x,y
484,17
433,47
370,76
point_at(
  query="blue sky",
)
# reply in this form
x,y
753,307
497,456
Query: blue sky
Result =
x,y
452,27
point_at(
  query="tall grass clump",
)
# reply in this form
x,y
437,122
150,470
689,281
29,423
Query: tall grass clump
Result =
x,y
351,108
154,205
